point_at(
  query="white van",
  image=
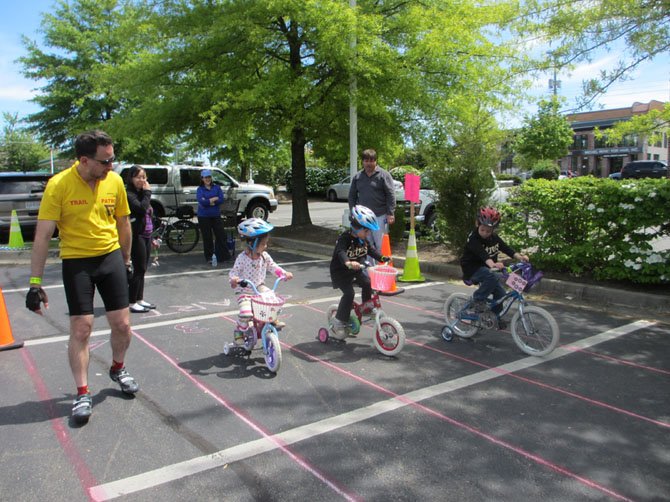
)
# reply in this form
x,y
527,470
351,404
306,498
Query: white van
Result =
x,y
174,187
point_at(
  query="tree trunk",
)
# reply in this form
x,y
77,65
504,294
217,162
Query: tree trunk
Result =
x,y
300,214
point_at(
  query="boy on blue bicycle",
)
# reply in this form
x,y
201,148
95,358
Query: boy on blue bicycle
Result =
x,y
480,259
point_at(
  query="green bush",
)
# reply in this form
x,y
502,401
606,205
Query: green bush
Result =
x,y
318,178
398,173
546,169
397,230
595,226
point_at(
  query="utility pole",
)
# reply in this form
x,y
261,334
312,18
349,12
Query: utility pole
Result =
x,y
353,113
553,83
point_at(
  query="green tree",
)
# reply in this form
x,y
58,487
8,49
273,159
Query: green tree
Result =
x,y
226,73
578,30
19,149
651,125
461,161
546,135
86,37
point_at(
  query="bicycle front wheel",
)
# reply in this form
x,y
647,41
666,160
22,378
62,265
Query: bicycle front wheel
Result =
x,y
273,353
535,332
454,310
389,337
182,236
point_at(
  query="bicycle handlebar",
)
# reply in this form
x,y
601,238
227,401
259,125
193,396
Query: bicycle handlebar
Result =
x,y
280,277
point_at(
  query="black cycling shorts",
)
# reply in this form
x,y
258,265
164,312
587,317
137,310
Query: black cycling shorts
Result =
x,y
107,273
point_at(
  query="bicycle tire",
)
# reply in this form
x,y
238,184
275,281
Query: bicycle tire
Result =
x,y
453,306
536,333
273,354
182,236
389,338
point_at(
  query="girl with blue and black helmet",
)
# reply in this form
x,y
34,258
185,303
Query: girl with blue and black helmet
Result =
x,y
351,251
252,264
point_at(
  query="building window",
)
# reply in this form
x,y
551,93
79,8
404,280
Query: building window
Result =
x,y
580,142
656,157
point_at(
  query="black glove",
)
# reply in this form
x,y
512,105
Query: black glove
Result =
x,y
385,259
129,271
35,296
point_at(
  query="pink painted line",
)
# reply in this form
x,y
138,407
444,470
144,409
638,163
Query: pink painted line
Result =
x,y
617,360
84,475
249,422
420,309
544,385
499,442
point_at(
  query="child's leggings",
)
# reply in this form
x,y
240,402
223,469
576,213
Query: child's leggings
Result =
x,y
347,300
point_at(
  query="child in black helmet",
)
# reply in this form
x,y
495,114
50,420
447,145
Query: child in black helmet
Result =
x,y
480,258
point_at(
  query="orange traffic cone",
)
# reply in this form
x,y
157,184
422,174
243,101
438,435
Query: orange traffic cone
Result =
x,y
6,339
386,251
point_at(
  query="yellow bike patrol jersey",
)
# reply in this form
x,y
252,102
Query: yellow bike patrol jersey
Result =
x,y
86,218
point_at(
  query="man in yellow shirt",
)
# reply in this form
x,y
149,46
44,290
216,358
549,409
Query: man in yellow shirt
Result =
x,y
88,204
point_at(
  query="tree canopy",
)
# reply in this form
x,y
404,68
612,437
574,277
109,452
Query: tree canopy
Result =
x,y
545,136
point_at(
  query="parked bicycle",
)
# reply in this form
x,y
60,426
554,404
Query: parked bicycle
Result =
x,y
534,330
265,308
177,230
389,336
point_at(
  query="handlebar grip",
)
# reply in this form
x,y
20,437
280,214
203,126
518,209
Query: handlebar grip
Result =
x,y
244,283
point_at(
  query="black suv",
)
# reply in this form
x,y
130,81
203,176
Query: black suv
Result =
x,y
645,169
22,192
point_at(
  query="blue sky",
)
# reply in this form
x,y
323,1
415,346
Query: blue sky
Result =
x,y
652,81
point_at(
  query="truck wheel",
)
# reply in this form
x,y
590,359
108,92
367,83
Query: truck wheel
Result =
x,y
258,209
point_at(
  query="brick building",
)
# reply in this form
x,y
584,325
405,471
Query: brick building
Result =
x,y
589,155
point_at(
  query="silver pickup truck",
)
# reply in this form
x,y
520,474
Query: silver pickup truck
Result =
x,y
175,187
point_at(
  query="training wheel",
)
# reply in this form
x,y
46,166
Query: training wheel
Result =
x,y
447,334
323,335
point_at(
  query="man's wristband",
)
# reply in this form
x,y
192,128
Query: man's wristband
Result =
x,y
35,281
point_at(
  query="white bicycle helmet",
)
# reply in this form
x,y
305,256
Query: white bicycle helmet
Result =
x,y
361,216
254,227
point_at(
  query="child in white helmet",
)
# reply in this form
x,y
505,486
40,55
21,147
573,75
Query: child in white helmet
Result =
x,y
351,250
252,264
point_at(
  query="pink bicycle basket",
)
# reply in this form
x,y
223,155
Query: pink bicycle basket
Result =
x,y
267,306
382,277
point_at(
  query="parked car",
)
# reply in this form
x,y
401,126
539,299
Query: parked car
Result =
x,y
340,190
567,174
615,176
645,169
175,187
21,191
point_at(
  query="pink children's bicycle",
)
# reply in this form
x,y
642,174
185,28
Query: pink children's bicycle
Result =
x,y
389,336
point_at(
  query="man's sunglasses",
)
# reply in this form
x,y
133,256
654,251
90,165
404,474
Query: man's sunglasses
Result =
x,y
105,162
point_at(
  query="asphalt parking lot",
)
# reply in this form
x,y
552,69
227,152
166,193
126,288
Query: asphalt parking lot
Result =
x,y
469,420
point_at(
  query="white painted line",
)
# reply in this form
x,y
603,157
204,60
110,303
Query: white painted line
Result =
x,y
176,274
243,451
169,322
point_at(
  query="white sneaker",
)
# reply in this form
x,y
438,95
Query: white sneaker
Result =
x,y
340,330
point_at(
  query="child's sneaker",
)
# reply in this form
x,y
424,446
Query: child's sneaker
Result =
x,y
238,336
279,324
340,329
478,306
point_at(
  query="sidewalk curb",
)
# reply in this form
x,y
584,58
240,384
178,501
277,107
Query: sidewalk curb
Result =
x,y
584,293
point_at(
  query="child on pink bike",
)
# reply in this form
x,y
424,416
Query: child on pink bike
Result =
x,y
351,250
252,264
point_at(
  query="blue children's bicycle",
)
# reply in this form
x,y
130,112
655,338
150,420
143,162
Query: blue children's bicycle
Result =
x,y
534,330
265,308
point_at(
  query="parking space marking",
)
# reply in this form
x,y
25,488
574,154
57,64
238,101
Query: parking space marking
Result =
x,y
243,451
